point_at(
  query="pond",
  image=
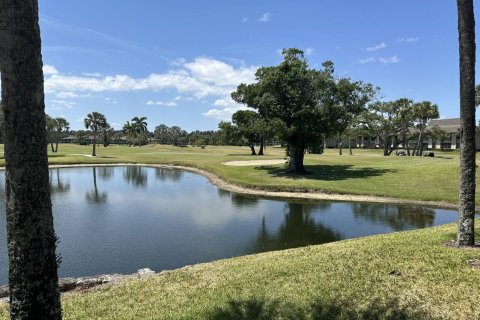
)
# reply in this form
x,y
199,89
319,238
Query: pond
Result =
x,y
121,219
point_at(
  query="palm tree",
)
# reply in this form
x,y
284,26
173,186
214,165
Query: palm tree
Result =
x,y
466,32
140,124
95,121
130,132
423,112
33,278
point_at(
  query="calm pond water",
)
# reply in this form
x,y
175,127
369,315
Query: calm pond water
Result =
x,y
121,219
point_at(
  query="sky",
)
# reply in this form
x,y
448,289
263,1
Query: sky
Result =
x,y
176,62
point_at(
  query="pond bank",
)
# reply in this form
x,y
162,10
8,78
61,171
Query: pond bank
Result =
x,y
310,195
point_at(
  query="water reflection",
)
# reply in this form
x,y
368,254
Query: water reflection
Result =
x,y
95,196
136,176
105,173
125,223
298,229
58,185
396,217
164,174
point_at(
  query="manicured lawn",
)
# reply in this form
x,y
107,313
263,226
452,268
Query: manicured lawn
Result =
x,y
366,172
407,275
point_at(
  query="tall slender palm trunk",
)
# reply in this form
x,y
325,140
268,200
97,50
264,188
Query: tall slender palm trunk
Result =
x,y
31,240
466,31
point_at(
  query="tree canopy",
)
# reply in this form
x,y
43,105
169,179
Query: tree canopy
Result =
x,y
309,103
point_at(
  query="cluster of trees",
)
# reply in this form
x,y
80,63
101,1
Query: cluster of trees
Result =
x,y
397,122
136,131
249,128
170,135
56,130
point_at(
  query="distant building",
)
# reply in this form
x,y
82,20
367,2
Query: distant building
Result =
x,y
451,142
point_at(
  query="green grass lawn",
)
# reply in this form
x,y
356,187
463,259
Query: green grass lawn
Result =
x,y
365,173
406,275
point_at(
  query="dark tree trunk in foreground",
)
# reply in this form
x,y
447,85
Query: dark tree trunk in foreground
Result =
x,y
33,277
262,144
252,148
295,163
466,31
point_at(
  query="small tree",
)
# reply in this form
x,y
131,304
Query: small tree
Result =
x,y
95,121
381,120
248,125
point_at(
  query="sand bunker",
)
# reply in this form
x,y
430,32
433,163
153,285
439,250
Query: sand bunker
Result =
x,y
255,162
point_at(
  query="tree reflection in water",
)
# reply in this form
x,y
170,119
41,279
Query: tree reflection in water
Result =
x,y
164,174
57,185
94,196
397,217
298,229
135,175
106,173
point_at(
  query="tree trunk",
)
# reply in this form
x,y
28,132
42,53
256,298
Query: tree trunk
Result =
x,y
295,163
350,152
466,31
94,151
260,152
419,148
33,279
51,147
252,148
340,151
56,147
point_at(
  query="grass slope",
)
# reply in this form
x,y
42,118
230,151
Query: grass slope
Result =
x,y
349,279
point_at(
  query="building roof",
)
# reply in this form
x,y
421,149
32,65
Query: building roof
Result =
x,y
447,125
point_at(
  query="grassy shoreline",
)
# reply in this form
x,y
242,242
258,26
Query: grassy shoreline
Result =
x,y
410,275
366,173
405,275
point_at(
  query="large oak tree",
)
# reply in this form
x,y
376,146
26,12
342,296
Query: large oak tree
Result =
x,y
310,103
33,279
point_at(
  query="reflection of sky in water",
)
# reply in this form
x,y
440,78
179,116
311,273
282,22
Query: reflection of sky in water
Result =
x,y
120,219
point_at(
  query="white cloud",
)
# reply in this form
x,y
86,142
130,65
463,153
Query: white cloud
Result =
x,y
162,103
201,77
367,60
389,60
72,95
377,47
57,105
49,70
223,114
394,59
407,40
265,17
92,74
309,51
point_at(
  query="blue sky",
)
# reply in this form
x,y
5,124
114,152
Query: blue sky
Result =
x,y
176,62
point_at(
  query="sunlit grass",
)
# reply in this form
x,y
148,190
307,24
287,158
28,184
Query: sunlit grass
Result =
x,y
367,172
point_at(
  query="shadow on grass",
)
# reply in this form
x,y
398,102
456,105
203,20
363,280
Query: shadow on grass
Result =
x,y
253,309
327,172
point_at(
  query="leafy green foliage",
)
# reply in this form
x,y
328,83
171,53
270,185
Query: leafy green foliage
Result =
x,y
309,103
